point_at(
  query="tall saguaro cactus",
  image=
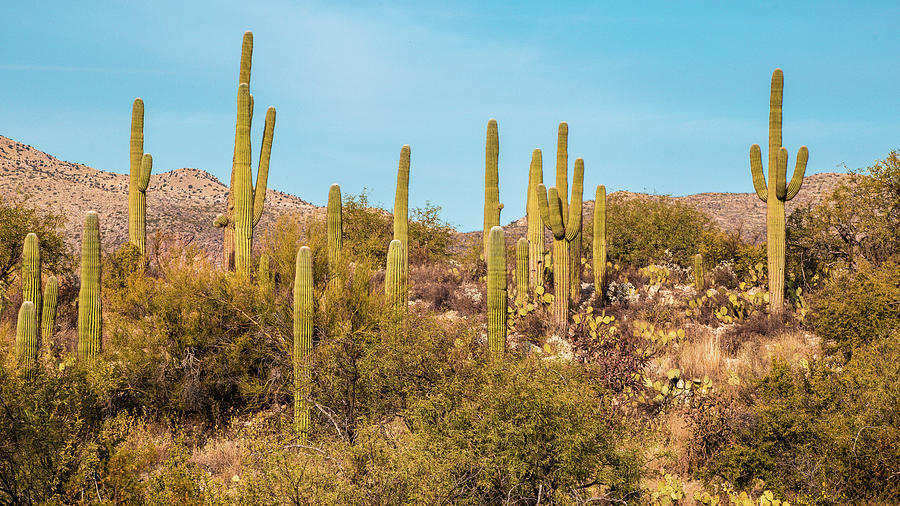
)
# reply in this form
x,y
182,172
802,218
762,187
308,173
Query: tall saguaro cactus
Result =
x,y
496,291
395,282
777,192
564,231
304,311
492,205
522,270
89,319
141,167
535,223
245,202
335,230
562,175
599,242
31,272
48,313
26,336
401,200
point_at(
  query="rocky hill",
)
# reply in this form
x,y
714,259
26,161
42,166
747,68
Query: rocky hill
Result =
x,y
184,202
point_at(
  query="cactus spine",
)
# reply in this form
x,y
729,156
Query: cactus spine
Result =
x,y
496,292
48,313
492,205
245,202
31,272
599,243
335,230
564,232
535,224
26,336
522,270
304,312
401,200
395,283
777,192
141,167
699,273
89,294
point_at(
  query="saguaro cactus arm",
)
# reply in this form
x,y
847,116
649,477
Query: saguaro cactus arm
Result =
x,y
799,172
551,212
573,224
262,172
756,170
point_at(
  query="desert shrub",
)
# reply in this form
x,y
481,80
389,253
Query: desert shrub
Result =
x,y
430,237
822,434
852,309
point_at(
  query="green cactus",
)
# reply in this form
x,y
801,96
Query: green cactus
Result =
x,y
699,273
31,272
535,224
335,230
521,270
562,175
496,292
492,205
564,231
395,283
304,312
777,193
26,336
401,201
141,167
599,243
48,313
89,319
245,202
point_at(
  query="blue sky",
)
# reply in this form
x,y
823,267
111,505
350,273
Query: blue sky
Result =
x,y
664,96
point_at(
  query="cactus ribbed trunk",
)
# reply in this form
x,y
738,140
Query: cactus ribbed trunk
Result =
x,y
492,205
599,242
334,230
562,279
496,292
89,304
304,312
141,167
48,313
31,272
401,201
522,288
395,282
776,192
699,273
535,224
26,336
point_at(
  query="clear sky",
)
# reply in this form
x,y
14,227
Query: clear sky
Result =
x,y
663,96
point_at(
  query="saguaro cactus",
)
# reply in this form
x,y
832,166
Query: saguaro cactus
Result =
x,y
535,223
521,270
562,176
401,200
492,205
395,283
48,313
599,243
496,291
26,336
245,202
777,193
564,232
31,272
304,311
699,273
89,295
335,230
141,167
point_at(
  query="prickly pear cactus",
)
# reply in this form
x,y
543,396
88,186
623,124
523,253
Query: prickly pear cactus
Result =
x,y
496,292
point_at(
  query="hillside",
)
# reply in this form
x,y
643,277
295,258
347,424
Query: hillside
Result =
x,y
185,201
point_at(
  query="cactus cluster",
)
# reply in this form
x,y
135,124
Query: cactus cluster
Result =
x,y
245,202
599,242
89,295
492,205
304,311
496,291
334,230
141,167
777,192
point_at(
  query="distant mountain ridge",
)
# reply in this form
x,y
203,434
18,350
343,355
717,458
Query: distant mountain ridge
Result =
x,y
184,202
